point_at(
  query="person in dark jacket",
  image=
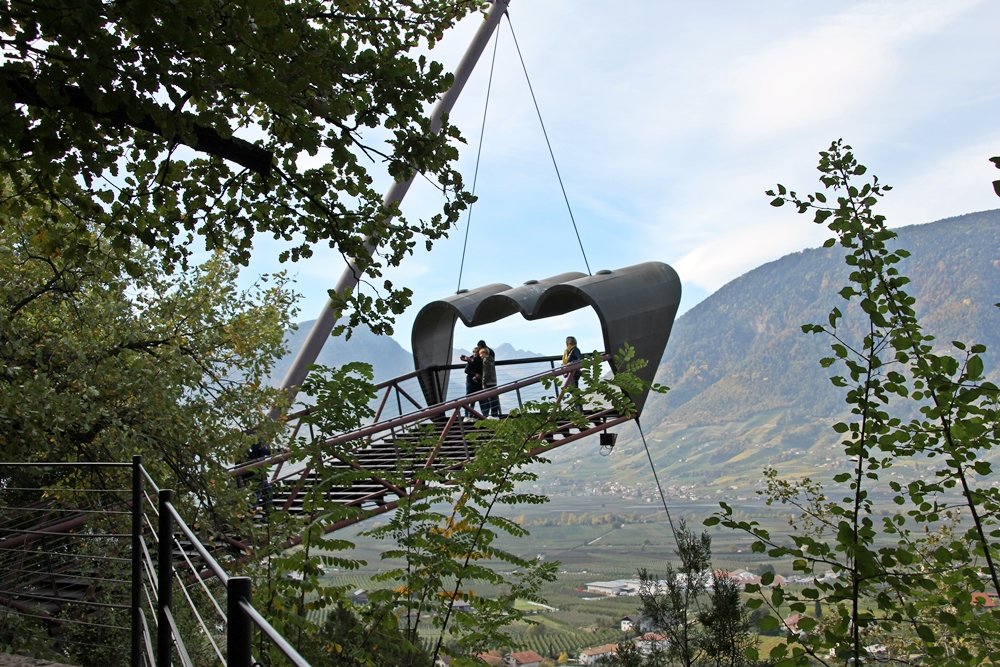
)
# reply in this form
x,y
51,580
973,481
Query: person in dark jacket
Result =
x,y
258,450
473,375
490,406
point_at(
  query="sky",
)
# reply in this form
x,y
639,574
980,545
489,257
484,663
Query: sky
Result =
x,y
669,120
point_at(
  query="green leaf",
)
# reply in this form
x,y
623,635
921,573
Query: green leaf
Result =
x,y
768,623
925,633
974,367
779,651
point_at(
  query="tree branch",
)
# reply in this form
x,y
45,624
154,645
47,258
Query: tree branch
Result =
x,y
203,138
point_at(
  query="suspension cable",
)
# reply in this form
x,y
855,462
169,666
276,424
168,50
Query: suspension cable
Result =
x,y
479,153
663,497
549,144
656,478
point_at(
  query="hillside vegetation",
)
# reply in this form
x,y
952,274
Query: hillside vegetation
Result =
x,y
746,386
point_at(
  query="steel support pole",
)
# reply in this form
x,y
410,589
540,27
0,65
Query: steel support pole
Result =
x,y
239,627
136,621
349,279
164,579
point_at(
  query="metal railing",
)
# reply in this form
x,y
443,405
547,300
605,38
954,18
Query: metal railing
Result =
x,y
287,473
137,540
403,395
518,387
69,551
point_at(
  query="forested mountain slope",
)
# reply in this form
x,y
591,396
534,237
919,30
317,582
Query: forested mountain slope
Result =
x,y
387,357
746,386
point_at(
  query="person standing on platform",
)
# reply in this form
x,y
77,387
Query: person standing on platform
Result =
x,y
571,355
490,406
473,376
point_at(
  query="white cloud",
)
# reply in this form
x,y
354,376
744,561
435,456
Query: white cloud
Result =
x,y
817,75
957,182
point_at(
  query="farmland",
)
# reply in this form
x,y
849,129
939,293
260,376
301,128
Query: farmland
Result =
x,y
594,539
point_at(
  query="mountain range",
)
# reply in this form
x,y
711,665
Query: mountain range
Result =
x,y
746,387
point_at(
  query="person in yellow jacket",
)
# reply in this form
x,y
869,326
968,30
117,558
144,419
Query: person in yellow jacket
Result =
x,y
571,355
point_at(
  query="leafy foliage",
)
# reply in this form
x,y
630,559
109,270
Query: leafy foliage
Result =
x,y
698,610
294,553
99,364
446,542
908,587
190,119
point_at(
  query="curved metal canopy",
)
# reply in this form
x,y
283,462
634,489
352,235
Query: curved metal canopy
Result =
x,y
635,305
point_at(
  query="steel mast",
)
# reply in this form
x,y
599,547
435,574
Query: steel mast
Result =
x,y
351,276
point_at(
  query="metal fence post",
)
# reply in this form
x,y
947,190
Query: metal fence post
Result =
x,y
239,634
164,579
136,623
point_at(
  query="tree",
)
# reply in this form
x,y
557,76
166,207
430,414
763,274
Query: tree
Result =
x,y
670,602
103,356
697,609
627,654
100,361
161,123
726,632
908,553
371,636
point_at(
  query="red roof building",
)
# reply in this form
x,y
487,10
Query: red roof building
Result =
x,y
524,659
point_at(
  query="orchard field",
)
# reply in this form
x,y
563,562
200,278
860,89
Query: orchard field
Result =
x,y
594,539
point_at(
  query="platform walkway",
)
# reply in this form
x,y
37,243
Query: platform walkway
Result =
x,y
375,467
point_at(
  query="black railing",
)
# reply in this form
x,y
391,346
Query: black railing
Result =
x,y
139,553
